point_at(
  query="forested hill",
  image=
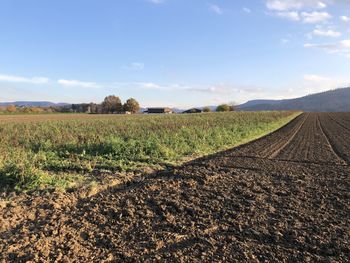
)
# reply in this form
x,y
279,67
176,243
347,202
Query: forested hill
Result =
x,y
329,101
33,104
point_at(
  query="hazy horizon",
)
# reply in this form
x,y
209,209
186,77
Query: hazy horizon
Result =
x,y
172,53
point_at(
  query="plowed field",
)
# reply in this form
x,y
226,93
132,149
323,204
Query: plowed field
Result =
x,y
282,198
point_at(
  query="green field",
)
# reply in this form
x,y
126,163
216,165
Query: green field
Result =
x,y
60,151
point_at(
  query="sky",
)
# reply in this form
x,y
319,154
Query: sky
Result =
x,y
175,53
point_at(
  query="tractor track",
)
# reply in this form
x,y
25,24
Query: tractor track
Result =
x,y
282,198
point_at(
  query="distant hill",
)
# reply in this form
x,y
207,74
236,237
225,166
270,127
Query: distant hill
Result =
x,y
33,104
333,100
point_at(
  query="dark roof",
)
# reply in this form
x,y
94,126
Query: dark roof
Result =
x,y
159,110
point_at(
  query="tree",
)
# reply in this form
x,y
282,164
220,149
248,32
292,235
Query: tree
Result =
x,y
36,110
93,108
206,109
131,105
112,104
11,108
223,107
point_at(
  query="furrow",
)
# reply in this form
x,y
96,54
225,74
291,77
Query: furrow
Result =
x,y
331,146
337,136
290,139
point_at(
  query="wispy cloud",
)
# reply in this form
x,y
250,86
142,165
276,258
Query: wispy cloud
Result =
x,y
18,79
305,11
226,89
341,47
135,66
156,1
291,15
149,85
247,10
221,89
345,18
317,83
216,9
213,89
315,17
217,89
78,84
305,17
315,78
326,33
284,5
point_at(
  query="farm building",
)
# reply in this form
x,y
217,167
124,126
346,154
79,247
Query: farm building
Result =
x,y
159,111
194,110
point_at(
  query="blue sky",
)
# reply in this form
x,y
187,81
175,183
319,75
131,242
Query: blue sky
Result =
x,y
172,52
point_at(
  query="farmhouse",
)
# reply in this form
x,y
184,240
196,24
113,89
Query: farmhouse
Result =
x,y
159,111
194,110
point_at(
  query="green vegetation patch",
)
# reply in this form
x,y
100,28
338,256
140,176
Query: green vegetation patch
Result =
x,y
62,153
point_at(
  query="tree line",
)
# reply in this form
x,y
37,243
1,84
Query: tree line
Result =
x,y
111,104
14,109
221,108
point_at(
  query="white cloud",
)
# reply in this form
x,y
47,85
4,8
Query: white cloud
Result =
x,y
345,18
321,5
292,15
318,83
214,89
148,85
305,17
306,11
285,5
217,89
78,84
315,78
335,47
345,43
341,47
216,9
18,79
326,33
315,17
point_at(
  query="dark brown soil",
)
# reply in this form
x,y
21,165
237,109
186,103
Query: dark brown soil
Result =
x,y
283,198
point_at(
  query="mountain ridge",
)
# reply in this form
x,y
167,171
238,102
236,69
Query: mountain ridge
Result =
x,y
34,104
337,100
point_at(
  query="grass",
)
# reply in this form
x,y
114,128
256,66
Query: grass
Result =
x,y
64,151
